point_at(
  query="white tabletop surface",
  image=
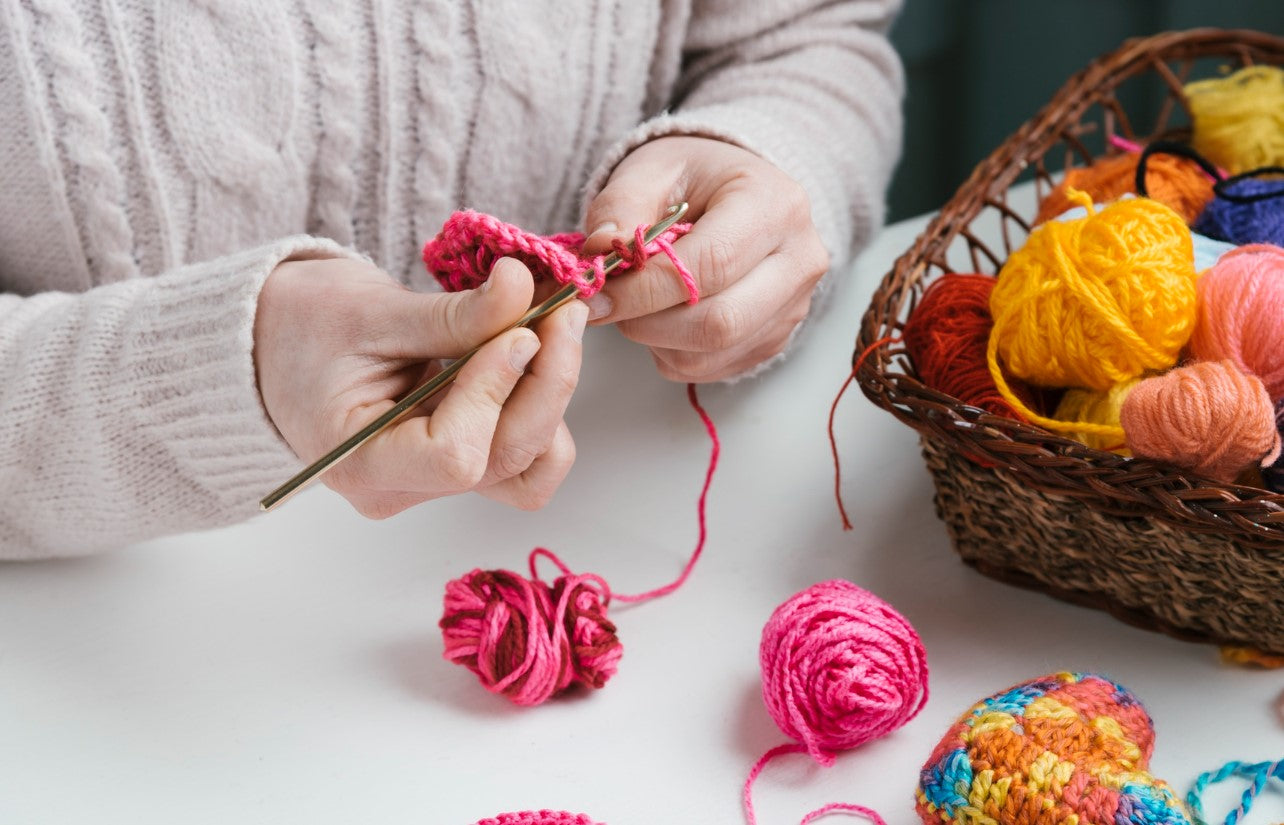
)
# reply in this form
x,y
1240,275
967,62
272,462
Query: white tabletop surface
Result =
x,y
289,670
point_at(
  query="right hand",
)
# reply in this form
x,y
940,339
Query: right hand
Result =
x,y
337,342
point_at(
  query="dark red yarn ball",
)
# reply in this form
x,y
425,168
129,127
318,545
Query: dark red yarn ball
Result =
x,y
946,337
529,640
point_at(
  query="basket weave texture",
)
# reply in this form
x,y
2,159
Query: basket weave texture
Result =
x,y
1154,546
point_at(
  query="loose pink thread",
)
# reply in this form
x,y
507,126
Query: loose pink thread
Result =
x,y
469,244
840,667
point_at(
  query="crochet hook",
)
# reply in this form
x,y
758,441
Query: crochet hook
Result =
x,y
442,379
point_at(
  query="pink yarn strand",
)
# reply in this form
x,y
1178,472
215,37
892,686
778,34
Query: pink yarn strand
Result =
x,y
844,807
757,768
714,450
1121,142
831,808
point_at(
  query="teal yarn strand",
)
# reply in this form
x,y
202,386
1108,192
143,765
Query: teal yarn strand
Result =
x,y
1261,773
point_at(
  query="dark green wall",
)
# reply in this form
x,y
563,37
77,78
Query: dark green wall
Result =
x,y
977,69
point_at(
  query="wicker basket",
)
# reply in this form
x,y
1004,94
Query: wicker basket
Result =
x,y
1151,545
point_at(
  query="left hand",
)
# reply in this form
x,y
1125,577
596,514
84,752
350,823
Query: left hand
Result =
x,y
753,251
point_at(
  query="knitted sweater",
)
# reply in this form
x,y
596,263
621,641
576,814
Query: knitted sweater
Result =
x,y
159,159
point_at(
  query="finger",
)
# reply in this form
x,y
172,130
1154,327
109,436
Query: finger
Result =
x,y
535,408
638,193
702,367
417,325
731,317
769,336
447,452
533,488
726,242
382,505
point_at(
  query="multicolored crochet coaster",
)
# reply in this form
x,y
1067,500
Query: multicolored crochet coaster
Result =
x,y
1065,749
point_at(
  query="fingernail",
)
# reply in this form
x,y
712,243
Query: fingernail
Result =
x,y
599,306
523,351
607,226
576,317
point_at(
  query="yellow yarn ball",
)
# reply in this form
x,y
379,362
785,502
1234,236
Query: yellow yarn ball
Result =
x,y
1097,301
1238,120
1095,407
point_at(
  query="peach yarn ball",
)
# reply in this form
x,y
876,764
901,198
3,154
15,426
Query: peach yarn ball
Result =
x,y
1241,314
1207,417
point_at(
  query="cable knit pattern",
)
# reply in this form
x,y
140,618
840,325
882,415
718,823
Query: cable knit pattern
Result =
x,y
336,183
128,401
105,231
433,24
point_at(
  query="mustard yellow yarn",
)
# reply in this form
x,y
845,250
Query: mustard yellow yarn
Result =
x,y
1094,302
1238,120
1095,407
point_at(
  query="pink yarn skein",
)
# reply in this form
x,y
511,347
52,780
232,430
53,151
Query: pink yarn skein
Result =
x,y
1207,417
1241,314
840,667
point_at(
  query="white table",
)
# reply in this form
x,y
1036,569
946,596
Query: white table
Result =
x,y
289,670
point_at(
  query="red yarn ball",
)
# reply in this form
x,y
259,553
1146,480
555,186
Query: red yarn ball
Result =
x,y
946,336
840,667
529,640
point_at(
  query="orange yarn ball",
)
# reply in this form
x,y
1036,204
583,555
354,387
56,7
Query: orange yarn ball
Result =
x,y
1241,314
1207,417
1178,183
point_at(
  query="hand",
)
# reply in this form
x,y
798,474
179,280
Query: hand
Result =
x,y
337,342
753,250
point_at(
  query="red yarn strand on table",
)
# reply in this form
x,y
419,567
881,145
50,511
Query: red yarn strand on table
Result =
x,y
833,409
714,450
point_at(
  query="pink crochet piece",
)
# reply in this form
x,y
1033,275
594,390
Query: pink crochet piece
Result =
x,y
469,243
540,818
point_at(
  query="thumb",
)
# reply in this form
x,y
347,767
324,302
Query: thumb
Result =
x,y
634,196
421,326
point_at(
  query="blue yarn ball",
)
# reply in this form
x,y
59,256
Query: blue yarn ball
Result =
x,y
1245,210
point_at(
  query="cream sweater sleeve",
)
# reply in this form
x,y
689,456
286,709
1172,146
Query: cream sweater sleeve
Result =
x,y
131,410
812,85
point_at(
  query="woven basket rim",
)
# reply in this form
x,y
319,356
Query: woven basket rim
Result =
x,y
1055,464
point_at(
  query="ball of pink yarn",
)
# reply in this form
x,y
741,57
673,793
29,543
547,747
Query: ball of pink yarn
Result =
x,y
840,667
529,640
1208,417
539,818
1241,314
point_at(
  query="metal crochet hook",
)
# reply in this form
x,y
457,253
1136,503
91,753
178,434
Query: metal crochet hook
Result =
x,y
442,379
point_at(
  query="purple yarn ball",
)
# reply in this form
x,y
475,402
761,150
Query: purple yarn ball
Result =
x,y
1246,210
